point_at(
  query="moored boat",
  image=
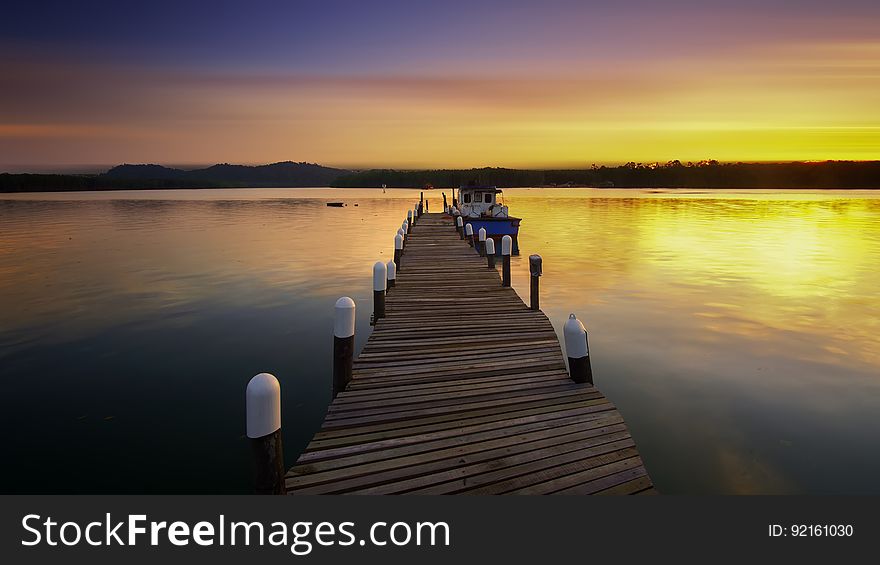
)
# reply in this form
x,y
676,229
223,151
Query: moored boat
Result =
x,y
483,207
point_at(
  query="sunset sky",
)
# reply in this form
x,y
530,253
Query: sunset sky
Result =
x,y
429,84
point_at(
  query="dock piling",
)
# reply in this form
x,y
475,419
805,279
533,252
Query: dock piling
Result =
x,y
506,245
391,276
459,226
469,232
482,242
578,351
535,268
490,253
380,274
398,250
263,412
409,218
402,234
343,342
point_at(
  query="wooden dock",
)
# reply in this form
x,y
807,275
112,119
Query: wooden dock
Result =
x,y
462,389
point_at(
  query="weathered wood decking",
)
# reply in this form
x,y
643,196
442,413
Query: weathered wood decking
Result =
x,y
462,389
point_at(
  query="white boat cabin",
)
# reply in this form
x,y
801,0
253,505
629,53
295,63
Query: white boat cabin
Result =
x,y
476,202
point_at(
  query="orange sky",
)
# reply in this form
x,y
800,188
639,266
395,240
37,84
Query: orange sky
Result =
x,y
773,97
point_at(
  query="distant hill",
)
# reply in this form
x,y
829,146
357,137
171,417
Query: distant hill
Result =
x,y
673,174
285,174
127,177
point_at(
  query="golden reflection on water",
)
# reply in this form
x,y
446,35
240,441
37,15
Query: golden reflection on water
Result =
x,y
711,312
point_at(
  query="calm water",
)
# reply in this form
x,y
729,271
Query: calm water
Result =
x,y
738,332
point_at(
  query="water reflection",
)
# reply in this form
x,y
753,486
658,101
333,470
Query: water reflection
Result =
x,y
737,332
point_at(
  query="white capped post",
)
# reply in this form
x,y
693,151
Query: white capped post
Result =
x,y
343,343
407,224
506,247
490,253
380,280
469,233
392,274
577,350
398,249
459,225
481,241
263,412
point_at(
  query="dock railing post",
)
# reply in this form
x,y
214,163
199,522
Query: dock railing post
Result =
x,y
409,218
391,276
506,245
577,350
343,343
481,243
380,274
469,233
263,409
398,250
459,226
535,268
402,234
490,253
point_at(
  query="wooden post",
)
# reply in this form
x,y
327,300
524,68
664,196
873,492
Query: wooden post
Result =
x,y
263,410
506,244
398,250
343,343
409,218
469,233
380,281
578,351
421,203
459,226
445,205
481,243
391,276
402,234
490,253
535,268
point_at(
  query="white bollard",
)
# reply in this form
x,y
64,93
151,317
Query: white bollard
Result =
x,y
577,350
490,253
380,280
406,226
343,343
263,412
392,274
506,246
398,249
481,241
459,226
469,234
